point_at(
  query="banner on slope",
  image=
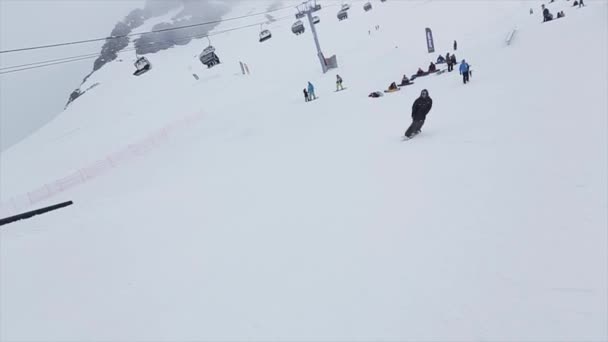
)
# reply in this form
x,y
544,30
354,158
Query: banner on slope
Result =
x,y
429,40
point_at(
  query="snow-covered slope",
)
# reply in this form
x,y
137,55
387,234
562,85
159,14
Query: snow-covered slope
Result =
x,y
267,218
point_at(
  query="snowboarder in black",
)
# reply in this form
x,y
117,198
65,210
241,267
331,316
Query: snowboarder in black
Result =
x,y
455,45
306,97
420,108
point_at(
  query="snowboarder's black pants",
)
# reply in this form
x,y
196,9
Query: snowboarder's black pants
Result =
x,y
450,66
415,127
465,77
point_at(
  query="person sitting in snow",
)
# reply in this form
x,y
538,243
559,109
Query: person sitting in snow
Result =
x,y
420,72
393,86
547,16
375,94
432,67
560,14
440,59
405,81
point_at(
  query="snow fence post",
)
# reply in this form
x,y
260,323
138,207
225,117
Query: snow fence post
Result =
x,y
510,36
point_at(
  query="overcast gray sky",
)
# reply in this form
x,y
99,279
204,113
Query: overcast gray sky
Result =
x,y
29,99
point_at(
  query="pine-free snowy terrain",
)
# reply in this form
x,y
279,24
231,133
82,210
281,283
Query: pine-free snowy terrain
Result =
x,y
267,218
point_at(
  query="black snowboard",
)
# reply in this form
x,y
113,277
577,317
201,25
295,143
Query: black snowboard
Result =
x,y
410,133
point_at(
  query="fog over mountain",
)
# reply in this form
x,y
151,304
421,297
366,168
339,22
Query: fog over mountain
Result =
x,y
190,12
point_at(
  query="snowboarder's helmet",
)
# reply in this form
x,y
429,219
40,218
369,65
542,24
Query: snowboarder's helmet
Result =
x,y
424,92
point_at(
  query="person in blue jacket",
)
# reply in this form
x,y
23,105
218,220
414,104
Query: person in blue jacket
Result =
x,y
464,71
311,92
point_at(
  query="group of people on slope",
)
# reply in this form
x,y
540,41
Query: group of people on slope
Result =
x,y
432,68
420,109
450,60
548,16
465,70
309,91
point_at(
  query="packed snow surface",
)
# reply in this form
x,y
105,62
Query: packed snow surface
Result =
x,y
268,218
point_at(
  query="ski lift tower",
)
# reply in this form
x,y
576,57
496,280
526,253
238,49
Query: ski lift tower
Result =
x,y
308,7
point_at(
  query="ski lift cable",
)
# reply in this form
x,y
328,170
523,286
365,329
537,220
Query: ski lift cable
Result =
x,y
96,54
45,65
143,33
42,64
53,60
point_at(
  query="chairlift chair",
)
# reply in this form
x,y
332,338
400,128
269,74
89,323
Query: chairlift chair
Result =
x,y
345,7
316,20
208,57
142,65
265,35
342,15
298,27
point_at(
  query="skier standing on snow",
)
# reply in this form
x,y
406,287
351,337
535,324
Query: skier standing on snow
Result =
x,y
306,98
339,83
311,92
455,45
421,107
464,71
450,63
